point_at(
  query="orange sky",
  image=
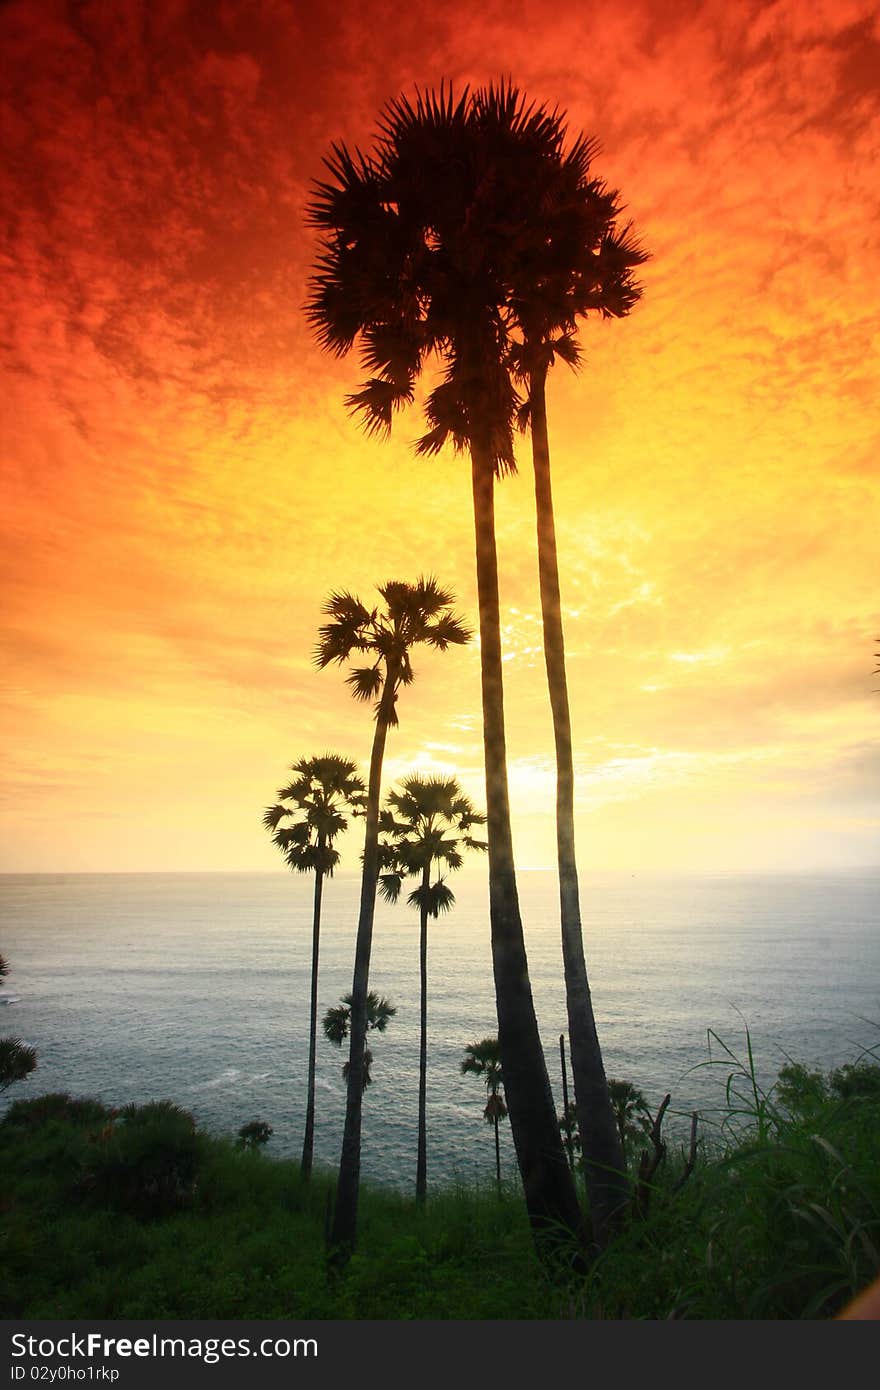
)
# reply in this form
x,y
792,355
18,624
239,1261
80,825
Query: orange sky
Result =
x,y
182,486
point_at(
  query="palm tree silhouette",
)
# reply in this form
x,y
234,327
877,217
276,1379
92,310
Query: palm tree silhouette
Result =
x,y
581,262
17,1059
417,244
631,1112
324,793
426,823
337,1026
484,1059
412,614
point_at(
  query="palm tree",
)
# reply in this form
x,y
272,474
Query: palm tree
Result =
x,y
337,1026
426,823
484,1059
631,1116
324,792
631,1112
17,1059
579,262
413,614
414,262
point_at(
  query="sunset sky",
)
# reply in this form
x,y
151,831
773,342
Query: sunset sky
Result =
x,y
182,486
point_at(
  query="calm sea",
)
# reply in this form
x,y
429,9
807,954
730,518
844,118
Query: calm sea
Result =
x,y
195,987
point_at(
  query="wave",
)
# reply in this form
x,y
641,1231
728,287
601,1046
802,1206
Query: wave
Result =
x,y
231,1074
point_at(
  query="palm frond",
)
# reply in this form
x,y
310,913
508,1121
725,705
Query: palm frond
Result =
x,y
365,682
565,346
433,898
390,885
448,631
273,815
376,403
495,1108
380,1011
483,1058
336,1023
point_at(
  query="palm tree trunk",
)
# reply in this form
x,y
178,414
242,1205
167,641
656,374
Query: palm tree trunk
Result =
x,y
604,1164
566,1113
422,1155
550,1195
344,1228
497,1154
309,1137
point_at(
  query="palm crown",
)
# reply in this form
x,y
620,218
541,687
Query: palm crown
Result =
x,y
414,613
484,1059
322,795
337,1026
428,821
428,246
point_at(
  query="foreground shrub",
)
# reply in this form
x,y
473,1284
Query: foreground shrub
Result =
x,y
145,1161
57,1105
255,1134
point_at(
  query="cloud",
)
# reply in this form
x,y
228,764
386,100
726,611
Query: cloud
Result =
x,y
182,485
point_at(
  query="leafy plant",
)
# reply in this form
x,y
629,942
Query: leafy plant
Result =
x,y
17,1061
145,1161
254,1134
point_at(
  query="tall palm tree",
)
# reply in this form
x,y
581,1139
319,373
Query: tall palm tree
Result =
x,y
414,263
484,1059
337,1026
413,614
426,824
577,260
324,793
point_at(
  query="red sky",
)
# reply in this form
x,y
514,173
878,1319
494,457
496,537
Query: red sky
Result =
x,y
182,486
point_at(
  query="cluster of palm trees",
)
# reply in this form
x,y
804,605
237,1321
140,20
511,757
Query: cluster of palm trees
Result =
x,y
472,239
425,828
425,824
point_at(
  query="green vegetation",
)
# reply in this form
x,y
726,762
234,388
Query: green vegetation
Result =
x,y
135,1213
256,1133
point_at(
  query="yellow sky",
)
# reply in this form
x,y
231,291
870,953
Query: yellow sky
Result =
x,y
182,486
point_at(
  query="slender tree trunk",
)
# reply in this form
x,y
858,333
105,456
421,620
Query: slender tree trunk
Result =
x,y
497,1154
550,1195
422,1157
566,1113
309,1137
344,1229
604,1163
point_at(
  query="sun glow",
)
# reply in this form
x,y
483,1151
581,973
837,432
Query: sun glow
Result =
x,y
183,486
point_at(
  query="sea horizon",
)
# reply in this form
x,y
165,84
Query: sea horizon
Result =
x,y
193,986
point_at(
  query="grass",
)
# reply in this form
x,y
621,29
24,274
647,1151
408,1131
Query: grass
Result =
x,y
780,1219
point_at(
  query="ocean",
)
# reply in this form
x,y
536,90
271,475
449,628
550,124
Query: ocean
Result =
x,y
195,987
